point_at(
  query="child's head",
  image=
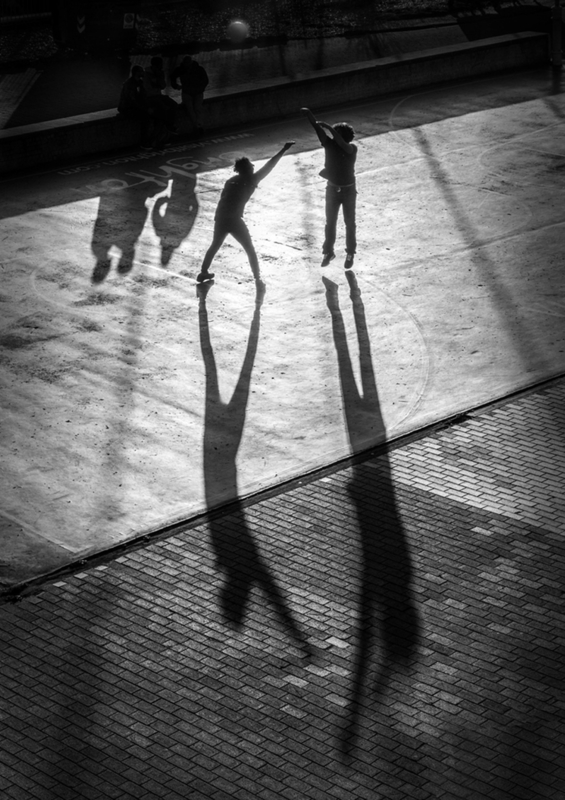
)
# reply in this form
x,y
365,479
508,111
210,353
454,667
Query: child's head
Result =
x,y
345,131
243,166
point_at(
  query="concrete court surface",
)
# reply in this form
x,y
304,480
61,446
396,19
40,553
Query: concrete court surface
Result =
x,y
131,402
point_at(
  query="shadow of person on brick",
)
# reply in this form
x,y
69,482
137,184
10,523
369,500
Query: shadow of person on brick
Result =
x,y
388,631
237,555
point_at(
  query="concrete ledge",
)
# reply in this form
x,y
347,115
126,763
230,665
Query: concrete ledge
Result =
x,y
105,131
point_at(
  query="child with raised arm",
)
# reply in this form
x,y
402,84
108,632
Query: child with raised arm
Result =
x,y
229,213
341,191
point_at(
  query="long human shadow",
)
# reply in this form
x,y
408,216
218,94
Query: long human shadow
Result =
x,y
388,621
237,556
501,290
122,214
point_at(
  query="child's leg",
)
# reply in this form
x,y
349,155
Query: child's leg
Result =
x,y
333,202
219,235
241,234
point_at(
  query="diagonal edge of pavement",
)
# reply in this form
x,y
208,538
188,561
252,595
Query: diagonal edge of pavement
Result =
x,y
25,588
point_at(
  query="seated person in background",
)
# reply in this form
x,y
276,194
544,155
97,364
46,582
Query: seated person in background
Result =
x,y
154,82
193,80
134,104
133,99
154,78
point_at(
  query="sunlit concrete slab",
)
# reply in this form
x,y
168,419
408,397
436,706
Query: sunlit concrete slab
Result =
x,y
132,402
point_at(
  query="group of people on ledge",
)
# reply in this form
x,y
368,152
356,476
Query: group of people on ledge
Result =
x,y
142,98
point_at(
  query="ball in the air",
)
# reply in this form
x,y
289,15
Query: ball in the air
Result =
x,y
238,31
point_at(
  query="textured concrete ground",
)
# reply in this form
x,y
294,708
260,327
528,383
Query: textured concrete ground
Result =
x,y
390,629
120,383
393,629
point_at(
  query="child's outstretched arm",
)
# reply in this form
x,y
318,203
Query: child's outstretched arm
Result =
x,y
272,162
318,126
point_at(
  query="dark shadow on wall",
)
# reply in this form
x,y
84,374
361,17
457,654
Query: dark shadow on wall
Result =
x,y
237,556
389,628
122,214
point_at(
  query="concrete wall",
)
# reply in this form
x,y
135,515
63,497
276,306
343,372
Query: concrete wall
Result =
x,y
65,139
104,131
378,77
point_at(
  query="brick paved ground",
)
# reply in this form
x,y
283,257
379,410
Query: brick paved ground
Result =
x,y
393,629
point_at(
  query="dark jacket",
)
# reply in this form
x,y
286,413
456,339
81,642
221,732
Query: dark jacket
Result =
x,y
133,99
192,76
154,82
340,166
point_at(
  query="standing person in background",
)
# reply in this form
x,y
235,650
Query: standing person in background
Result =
x,y
154,78
133,104
133,98
164,107
193,80
341,191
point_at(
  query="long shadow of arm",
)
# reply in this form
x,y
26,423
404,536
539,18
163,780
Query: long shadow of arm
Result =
x,y
385,598
237,555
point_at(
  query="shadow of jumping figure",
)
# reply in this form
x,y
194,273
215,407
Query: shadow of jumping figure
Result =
x,y
388,620
237,555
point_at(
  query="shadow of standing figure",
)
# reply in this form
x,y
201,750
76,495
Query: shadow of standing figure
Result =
x,y
388,620
122,214
173,216
237,555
